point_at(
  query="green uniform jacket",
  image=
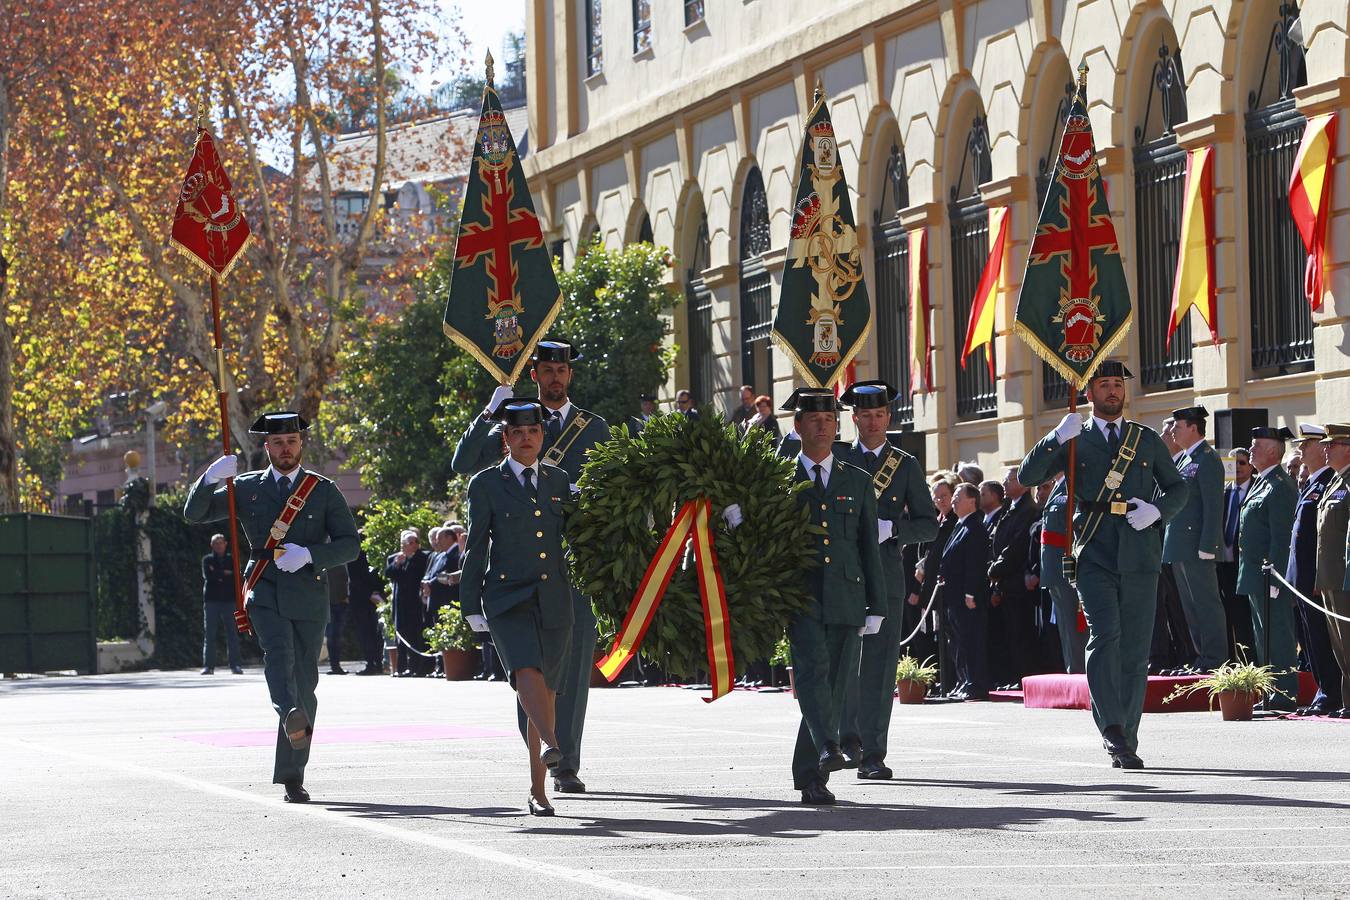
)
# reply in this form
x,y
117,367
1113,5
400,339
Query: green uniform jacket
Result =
x,y
514,551
1116,546
1333,522
1264,526
850,584
481,446
1199,525
906,503
325,527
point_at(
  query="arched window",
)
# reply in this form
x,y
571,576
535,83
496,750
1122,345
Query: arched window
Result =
x,y
699,308
756,287
890,248
1159,187
975,395
1282,327
1054,389
595,49
645,230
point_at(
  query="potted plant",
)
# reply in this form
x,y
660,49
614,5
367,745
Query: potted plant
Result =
x,y
782,658
1236,685
452,637
385,612
914,678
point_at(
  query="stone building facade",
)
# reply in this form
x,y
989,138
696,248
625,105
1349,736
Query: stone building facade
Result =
x,y
682,120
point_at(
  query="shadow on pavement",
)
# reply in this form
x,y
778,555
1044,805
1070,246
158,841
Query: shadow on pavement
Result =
x,y
416,810
1290,775
155,680
1124,792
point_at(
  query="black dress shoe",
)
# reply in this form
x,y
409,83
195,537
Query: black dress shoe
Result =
x,y
1113,740
209,670
568,783
852,749
337,671
236,670
1126,759
1339,714
296,793
371,670
831,759
816,794
538,809
874,770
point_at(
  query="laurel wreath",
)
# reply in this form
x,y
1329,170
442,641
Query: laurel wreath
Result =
x,y
631,488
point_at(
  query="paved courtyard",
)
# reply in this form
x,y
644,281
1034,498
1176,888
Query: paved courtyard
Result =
x,y
157,785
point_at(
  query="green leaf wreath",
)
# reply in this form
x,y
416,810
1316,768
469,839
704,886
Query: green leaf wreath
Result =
x,y
630,489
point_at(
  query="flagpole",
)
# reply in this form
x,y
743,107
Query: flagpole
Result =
x,y
240,617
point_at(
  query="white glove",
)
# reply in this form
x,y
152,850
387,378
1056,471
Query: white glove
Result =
x,y
885,530
572,488
294,559
1205,556
733,516
503,393
1143,515
477,623
376,599
225,467
873,625
1068,428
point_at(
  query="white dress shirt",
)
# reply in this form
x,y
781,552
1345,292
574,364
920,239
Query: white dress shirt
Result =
x,y
825,465
519,470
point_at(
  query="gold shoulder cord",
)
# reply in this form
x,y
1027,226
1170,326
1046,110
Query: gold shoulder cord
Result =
x,y
555,454
1114,479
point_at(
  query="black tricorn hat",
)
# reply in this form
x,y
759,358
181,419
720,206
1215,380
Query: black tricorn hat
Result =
x,y
279,423
555,351
1272,434
1112,368
520,411
1191,414
811,400
868,395
647,398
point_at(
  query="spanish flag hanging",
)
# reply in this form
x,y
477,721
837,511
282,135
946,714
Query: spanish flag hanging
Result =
x,y
1195,283
1310,200
920,339
980,330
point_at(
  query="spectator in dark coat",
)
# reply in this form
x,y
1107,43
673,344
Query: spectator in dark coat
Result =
x,y
1013,609
365,589
964,582
218,606
404,570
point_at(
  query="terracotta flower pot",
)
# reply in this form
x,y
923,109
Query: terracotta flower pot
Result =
x,y
910,691
459,665
392,653
1236,706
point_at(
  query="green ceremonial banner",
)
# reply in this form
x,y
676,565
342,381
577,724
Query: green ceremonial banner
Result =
x,y
823,312
1074,307
503,295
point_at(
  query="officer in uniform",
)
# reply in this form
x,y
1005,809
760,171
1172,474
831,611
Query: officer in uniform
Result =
x,y
1194,539
1063,597
1118,552
288,605
1333,532
514,580
848,586
905,515
1267,520
569,434
1314,636
649,412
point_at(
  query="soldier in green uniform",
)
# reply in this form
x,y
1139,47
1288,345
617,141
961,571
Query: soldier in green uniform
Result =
x,y
569,434
1194,539
1120,464
848,585
514,580
905,515
288,605
1264,526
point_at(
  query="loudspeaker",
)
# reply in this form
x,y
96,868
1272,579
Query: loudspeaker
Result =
x,y
915,443
1233,427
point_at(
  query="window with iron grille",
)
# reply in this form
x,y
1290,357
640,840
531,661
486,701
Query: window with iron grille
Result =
x,y
693,12
1282,326
1159,191
890,248
595,51
699,306
756,285
642,25
975,394
1054,388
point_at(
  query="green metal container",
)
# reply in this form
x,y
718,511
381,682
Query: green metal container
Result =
x,y
47,587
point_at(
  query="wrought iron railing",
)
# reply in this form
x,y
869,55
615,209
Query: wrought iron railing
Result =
x,y
1159,187
975,394
756,324
891,256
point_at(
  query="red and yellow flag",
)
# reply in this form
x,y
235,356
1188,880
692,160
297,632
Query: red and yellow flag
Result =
x,y
980,331
1310,200
1195,284
920,341
208,225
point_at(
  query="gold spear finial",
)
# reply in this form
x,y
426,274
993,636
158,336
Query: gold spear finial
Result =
x,y
820,90
489,69
1082,78
201,112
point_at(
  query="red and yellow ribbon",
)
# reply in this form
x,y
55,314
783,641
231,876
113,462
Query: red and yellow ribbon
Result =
x,y
691,521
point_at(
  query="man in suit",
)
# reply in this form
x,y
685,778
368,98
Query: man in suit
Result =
x,y
963,580
1014,628
339,599
905,516
218,605
648,412
1333,533
404,570
849,588
1236,608
746,410
992,504
1120,464
366,590
685,405
1315,636
569,434
1194,537
1267,521
288,605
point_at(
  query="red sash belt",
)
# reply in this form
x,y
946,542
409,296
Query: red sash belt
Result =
x,y
294,503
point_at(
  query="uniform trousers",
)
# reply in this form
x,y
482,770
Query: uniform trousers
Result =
x,y
821,657
1198,587
1072,642
1119,609
1316,640
1273,626
217,614
1339,632
291,667
869,695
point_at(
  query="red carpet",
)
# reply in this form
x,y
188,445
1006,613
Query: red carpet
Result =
x,y
1071,692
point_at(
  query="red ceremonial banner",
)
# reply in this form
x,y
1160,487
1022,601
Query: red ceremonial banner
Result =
x,y
208,225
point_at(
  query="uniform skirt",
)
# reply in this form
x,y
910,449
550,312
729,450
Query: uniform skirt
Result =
x,y
523,642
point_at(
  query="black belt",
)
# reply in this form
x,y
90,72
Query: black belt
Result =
x,y
1110,508
263,554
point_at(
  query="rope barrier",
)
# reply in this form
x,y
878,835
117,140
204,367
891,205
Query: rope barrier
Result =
x,y
922,619
1280,578
402,640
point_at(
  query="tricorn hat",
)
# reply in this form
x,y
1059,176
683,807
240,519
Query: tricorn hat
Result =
x,y
1191,414
647,398
1112,368
520,411
555,351
812,400
279,423
1272,434
868,395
